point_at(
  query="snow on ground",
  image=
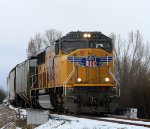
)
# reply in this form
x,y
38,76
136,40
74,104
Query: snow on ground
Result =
x,y
19,111
16,109
69,122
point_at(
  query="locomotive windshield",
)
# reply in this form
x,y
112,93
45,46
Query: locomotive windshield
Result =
x,y
106,45
68,46
73,45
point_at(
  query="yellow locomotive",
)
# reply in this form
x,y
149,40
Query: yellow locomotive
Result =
x,y
75,74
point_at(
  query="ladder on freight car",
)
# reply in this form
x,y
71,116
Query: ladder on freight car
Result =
x,y
25,98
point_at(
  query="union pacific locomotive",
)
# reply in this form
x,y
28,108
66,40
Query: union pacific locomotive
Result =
x,y
74,74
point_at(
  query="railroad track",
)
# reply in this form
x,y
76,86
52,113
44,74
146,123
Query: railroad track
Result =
x,y
133,119
123,122
113,119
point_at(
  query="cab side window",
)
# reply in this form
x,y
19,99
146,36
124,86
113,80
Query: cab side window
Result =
x,y
56,48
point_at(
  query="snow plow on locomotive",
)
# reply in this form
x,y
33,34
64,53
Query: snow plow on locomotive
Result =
x,y
74,74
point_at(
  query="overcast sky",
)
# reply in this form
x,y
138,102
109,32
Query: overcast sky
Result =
x,y
22,19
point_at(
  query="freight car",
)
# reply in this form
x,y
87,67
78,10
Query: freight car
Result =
x,y
19,82
74,74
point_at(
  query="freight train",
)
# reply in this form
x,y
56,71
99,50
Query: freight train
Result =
x,y
75,74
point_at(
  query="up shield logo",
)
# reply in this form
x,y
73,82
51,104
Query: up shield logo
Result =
x,y
90,61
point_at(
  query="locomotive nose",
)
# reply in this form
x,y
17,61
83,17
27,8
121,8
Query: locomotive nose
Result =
x,y
91,66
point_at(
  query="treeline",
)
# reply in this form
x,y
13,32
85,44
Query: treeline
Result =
x,y
132,69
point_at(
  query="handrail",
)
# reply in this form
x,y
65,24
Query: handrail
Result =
x,y
115,81
67,79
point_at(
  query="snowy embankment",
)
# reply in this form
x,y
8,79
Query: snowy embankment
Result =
x,y
69,122
11,114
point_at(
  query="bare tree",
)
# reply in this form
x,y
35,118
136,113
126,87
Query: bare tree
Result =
x,y
32,48
51,36
40,42
34,45
132,68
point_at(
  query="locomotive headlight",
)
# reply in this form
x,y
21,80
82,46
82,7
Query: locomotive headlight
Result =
x,y
107,79
85,35
89,35
79,79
